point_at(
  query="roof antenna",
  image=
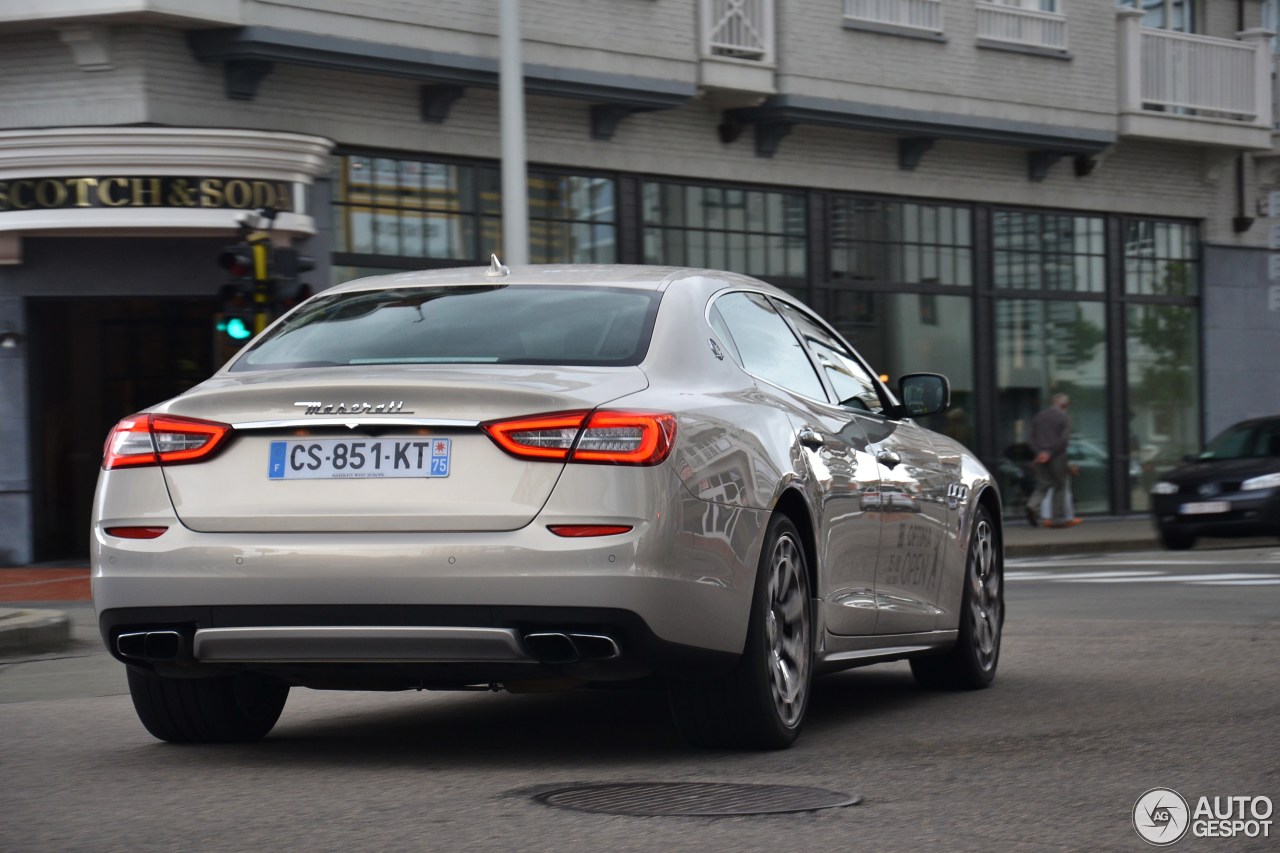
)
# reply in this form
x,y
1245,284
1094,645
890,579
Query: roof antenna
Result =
x,y
496,269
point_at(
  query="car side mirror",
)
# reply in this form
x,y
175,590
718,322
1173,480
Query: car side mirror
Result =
x,y
923,394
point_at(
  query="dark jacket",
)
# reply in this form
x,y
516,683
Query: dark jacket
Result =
x,y
1050,431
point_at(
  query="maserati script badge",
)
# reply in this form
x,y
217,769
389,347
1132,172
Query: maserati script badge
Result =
x,y
319,407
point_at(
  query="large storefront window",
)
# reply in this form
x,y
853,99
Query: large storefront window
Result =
x,y
405,208
1044,347
1048,251
881,250
1164,392
1160,258
904,242
395,213
759,233
900,333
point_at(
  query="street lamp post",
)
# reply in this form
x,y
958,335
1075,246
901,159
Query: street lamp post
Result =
x,y
515,187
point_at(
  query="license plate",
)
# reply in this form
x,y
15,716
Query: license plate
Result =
x,y
1205,508
344,459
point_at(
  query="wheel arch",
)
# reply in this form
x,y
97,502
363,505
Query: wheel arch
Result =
x,y
989,499
791,503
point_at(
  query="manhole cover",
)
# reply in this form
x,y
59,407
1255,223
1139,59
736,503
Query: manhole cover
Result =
x,y
694,798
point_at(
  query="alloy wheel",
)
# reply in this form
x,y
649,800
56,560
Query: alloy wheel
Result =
x,y
787,631
986,599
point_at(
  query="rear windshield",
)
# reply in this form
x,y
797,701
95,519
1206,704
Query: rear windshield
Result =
x,y
496,324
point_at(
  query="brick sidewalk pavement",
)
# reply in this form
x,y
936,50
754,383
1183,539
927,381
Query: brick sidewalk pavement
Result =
x,y
44,584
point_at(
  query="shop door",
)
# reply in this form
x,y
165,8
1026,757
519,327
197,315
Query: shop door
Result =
x,y
94,361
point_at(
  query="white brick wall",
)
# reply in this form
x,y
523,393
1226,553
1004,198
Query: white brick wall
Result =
x,y
818,56
41,86
157,79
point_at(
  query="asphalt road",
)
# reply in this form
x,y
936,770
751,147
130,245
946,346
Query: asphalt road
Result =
x,y
1119,674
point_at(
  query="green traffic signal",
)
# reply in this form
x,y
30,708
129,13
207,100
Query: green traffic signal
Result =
x,y
235,328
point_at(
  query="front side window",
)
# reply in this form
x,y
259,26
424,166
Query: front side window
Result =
x,y
488,324
766,345
852,383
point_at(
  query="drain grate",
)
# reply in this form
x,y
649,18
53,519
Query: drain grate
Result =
x,y
705,799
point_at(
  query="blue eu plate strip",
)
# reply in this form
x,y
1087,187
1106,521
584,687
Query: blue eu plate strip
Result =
x,y
275,468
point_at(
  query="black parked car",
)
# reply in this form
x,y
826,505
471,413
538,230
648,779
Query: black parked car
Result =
x,y
1231,489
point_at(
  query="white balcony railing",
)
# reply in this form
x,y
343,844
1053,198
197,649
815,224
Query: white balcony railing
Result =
x,y
1200,73
1163,72
910,14
738,29
1028,27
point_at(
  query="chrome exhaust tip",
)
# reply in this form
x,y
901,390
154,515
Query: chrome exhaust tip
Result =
x,y
150,645
595,646
552,647
559,647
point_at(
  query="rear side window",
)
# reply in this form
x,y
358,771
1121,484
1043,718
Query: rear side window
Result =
x,y
766,346
499,324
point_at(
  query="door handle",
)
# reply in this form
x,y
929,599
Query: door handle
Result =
x,y
888,458
810,438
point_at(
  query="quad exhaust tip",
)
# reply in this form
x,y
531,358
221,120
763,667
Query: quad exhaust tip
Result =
x,y
151,645
560,647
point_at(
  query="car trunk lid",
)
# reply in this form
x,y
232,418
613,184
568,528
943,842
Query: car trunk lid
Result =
x,y
425,464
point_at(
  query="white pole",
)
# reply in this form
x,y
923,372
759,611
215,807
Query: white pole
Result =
x,y
515,187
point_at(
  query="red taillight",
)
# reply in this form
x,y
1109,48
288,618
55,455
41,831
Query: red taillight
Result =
x,y
610,438
626,438
538,437
576,531
135,532
161,440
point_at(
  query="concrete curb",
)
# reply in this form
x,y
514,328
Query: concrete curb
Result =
x,y
33,630
1071,548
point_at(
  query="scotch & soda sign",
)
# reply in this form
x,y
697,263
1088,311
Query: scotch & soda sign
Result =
x,y
124,191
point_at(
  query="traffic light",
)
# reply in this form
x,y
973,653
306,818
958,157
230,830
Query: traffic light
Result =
x,y
287,263
237,260
233,326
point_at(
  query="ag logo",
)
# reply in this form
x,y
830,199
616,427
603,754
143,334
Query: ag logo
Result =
x,y
1161,816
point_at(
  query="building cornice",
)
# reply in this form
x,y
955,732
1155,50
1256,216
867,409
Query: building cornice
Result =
x,y
249,54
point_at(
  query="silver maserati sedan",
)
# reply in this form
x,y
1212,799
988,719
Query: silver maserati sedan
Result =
x,y
540,478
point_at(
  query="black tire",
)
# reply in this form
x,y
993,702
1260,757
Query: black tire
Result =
x,y
762,702
230,709
1176,540
971,663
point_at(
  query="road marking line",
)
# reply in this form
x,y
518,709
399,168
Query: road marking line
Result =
x,y
1082,575
1225,576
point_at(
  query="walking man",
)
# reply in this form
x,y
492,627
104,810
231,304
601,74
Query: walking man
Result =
x,y
1050,432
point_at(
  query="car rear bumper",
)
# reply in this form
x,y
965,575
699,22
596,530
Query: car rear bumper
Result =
x,y
679,589
405,646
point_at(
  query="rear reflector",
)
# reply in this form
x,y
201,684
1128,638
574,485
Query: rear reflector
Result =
x,y
602,437
576,531
135,532
140,440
